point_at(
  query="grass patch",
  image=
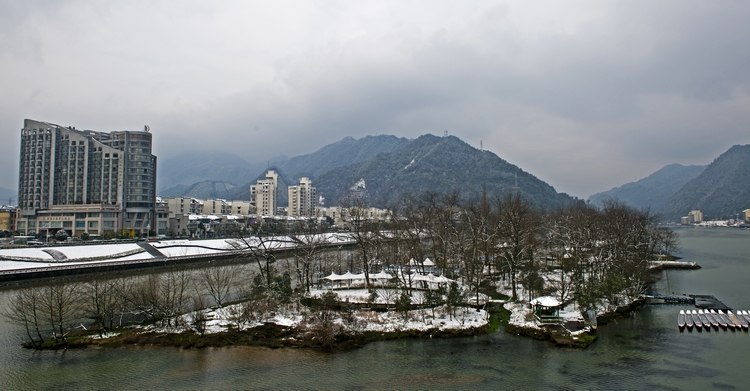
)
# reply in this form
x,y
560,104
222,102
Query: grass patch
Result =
x,y
499,317
581,341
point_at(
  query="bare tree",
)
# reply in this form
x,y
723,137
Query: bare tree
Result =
x,y
309,243
260,245
367,234
25,309
101,302
218,281
517,228
61,304
175,287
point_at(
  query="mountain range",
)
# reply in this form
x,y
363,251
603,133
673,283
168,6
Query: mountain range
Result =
x,y
385,167
437,164
654,190
720,190
7,195
388,166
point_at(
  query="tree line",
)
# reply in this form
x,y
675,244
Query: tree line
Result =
x,y
592,255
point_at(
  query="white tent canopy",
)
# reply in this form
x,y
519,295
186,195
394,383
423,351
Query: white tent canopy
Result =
x,y
381,276
427,262
334,277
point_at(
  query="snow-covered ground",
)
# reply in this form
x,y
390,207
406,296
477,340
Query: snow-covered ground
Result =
x,y
366,320
32,258
36,257
522,314
72,253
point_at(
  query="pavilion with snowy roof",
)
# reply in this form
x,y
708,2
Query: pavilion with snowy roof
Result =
x,y
547,309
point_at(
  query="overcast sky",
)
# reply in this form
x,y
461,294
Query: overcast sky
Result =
x,y
585,95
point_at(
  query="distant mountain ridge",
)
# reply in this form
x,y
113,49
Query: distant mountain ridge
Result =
x,y
652,191
230,178
440,164
390,166
7,195
184,170
721,191
346,151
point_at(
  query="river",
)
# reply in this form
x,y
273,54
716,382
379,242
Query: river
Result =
x,y
645,351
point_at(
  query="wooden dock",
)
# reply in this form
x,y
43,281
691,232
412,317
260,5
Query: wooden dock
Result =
x,y
708,302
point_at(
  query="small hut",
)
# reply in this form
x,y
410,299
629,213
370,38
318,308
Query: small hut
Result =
x,y
546,309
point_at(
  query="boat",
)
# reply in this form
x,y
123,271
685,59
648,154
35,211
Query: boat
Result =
x,y
746,314
726,319
736,320
743,320
681,320
704,319
741,314
697,320
720,319
712,319
688,320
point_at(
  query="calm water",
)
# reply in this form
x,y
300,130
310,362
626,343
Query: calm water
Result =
x,y
645,351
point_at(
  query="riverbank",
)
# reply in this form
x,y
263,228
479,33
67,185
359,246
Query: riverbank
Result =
x,y
291,328
268,335
522,321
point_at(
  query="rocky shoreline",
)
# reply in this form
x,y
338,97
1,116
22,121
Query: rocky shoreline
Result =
x,y
551,333
268,335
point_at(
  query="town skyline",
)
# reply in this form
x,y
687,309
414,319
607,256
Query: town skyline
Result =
x,y
585,95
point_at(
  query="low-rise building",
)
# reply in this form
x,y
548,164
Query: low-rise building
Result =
x,y
7,218
343,217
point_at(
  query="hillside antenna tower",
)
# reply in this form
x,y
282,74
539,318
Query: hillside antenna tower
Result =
x,y
445,133
481,146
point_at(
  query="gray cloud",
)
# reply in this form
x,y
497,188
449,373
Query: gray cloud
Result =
x,y
585,95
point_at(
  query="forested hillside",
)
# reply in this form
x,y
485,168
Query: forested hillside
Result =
x,y
722,190
652,191
439,164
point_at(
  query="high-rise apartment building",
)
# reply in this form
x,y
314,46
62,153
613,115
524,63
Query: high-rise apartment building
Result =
x,y
302,199
85,181
265,194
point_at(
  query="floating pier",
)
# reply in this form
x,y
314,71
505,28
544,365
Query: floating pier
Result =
x,y
708,302
658,298
704,302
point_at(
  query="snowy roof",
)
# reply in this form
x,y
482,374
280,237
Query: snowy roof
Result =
x,y
381,276
545,301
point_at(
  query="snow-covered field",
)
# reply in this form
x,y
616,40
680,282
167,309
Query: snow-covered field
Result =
x,y
36,257
366,320
32,258
522,314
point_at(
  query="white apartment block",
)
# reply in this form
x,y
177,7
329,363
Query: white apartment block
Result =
x,y
265,194
193,206
342,216
302,199
695,216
